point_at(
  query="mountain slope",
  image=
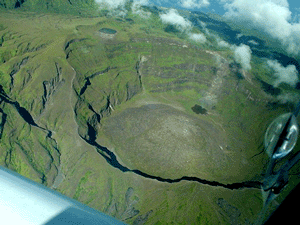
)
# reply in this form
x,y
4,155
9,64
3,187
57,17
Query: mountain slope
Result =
x,y
78,7
137,122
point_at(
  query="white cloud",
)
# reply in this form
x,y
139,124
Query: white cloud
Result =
x,y
242,55
238,36
198,37
288,97
271,16
288,75
253,42
173,17
141,2
112,4
296,17
222,43
138,3
203,25
190,4
115,7
136,8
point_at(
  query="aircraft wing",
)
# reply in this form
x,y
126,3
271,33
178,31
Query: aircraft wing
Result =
x,y
23,201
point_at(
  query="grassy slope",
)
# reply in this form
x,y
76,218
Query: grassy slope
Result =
x,y
241,141
88,177
79,7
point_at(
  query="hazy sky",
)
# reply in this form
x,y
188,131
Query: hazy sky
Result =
x,y
278,18
217,5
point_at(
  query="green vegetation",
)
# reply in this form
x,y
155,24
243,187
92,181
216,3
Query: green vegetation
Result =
x,y
79,83
260,70
78,7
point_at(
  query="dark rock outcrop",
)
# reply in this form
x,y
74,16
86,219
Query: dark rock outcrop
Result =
x,y
142,219
199,109
51,86
3,117
16,68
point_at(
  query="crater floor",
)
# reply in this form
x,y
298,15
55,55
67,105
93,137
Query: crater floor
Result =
x,y
163,141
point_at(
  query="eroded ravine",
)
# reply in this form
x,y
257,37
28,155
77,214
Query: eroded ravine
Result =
x,y
111,159
91,134
105,171
69,102
28,118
